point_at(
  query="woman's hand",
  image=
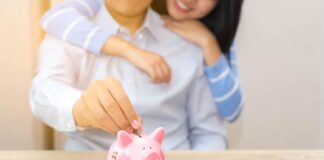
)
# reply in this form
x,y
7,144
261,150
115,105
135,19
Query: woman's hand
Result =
x,y
196,32
151,63
191,30
105,105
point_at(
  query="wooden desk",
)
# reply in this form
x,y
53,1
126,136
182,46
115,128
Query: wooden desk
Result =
x,y
225,155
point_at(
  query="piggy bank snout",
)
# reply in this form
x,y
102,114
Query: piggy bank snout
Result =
x,y
152,156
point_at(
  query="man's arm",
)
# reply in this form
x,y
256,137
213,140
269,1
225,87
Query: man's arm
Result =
x,y
207,131
53,92
56,100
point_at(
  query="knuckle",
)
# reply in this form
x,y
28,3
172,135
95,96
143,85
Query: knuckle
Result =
x,y
151,64
154,76
102,118
124,125
132,116
157,59
112,104
121,97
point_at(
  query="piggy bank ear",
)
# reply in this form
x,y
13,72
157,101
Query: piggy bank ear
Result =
x,y
124,139
158,135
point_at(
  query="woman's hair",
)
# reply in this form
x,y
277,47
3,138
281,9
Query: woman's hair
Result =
x,y
223,21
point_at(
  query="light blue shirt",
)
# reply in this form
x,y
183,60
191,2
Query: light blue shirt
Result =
x,y
184,107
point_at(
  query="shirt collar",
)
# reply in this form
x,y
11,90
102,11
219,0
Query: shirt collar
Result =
x,y
108,23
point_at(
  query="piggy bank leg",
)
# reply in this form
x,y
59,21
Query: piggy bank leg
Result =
x,y
153,156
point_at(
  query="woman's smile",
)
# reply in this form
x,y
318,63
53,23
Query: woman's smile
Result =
x,y
181,6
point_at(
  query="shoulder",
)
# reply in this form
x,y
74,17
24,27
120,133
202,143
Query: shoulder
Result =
x,y
183,56
54,48
162,33
174,42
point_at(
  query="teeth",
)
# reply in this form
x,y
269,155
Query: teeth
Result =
x,y
182,5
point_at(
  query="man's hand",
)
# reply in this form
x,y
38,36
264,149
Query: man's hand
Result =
x,y
105,105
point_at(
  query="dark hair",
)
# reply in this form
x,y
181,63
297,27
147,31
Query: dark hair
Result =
x,y
223,22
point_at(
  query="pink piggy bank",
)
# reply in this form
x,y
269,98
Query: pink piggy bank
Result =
x,y
133,147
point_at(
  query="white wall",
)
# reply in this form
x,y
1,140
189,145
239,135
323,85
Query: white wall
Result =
x,y
16,125
279,57
322,76
20,34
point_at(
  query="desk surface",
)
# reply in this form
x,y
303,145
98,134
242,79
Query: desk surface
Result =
x,y
178,155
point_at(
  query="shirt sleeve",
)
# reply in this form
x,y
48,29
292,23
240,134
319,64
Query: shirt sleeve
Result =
x,y
206,129
53,93
225,86
70,22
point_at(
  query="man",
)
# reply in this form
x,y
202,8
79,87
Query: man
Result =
x,y
71,89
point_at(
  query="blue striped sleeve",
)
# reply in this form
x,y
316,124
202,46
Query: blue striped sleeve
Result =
x,y
70,21
225,86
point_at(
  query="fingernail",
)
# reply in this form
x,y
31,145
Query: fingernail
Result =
x,y
136,124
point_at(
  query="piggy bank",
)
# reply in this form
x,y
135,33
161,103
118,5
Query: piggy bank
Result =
x,y
134,147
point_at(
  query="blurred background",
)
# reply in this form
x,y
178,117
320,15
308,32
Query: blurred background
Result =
x,y
281,60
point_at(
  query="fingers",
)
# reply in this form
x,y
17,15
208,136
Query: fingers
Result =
x,y
94,122
98,112
105,105
111,106
154,78
166,71
159,70
118,94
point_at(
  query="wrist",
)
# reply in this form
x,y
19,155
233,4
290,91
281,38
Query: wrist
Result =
x,y
130,51
211,51
117,46
207,42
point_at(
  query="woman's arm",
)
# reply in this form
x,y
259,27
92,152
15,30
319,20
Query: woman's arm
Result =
x,y
225,86
70,22
220,70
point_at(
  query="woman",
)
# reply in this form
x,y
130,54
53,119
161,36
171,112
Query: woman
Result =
x,y
210,24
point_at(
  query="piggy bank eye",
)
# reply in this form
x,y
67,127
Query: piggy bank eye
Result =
x,y
150,147
143,148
